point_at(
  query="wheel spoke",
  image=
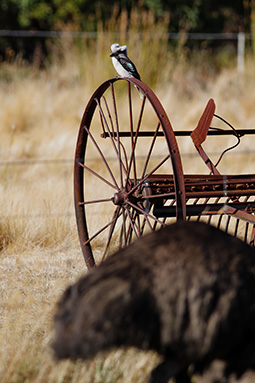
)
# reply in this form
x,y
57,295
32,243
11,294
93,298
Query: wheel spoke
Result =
x,y
113,224
98,176
113,136
123,230
143,225
131,125
146,219
102,229
109,115
133,216
149,174
117,130
132,223
102,156
150,150
101,116
105,124
132,156
95,201
146,214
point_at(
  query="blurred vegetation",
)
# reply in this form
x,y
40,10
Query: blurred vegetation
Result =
x,y
188,15
96,16
87,60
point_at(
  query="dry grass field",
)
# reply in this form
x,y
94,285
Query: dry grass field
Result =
x,y
39,250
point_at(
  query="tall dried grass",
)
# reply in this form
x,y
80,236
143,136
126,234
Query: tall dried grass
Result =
x,y
39,118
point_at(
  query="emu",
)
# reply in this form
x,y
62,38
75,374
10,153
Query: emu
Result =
x,y
186,291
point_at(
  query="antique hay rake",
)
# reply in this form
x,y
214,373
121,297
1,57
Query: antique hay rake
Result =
x,y
129,179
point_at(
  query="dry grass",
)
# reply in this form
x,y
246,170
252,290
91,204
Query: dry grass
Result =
x,y
39,250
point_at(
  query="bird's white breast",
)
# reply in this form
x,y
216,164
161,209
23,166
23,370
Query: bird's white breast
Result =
x,y
119,68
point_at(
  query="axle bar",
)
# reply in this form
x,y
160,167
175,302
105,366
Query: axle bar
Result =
x,y
241,132
204,209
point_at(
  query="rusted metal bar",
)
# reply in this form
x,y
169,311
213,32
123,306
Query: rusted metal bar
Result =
x,y
210,209
214,179
212,194
162,186
184,133
197,194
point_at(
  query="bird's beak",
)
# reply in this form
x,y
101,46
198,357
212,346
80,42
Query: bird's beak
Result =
x,y
112,54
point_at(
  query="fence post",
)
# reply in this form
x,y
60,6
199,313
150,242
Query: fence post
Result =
x,y
240,52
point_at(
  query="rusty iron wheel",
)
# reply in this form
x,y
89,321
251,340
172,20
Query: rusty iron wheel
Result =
x,y
124,141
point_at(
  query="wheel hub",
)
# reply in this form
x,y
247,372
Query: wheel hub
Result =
x,y
119,198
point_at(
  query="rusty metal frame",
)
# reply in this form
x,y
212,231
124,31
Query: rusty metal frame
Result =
x,y
169,194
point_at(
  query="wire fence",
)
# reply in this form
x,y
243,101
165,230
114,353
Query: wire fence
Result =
x,y
36,161
70,162
14,184
67,213
89,35
240,38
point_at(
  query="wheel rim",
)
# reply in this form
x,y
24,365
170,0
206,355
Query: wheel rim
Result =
x,y
115,157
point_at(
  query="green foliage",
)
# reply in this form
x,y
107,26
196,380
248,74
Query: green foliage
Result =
x,y
188,15
42,14
86,15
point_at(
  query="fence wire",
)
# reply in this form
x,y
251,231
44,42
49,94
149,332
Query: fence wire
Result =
x,y
68,163
239,38
89,35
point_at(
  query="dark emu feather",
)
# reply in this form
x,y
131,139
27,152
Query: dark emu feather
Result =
x,y
186,291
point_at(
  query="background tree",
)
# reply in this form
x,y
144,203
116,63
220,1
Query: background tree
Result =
x,y
85,15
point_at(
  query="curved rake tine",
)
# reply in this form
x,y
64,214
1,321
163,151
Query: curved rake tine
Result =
x,y
155,223
247,224
227,224
102,156
236,227
219,221
246,232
